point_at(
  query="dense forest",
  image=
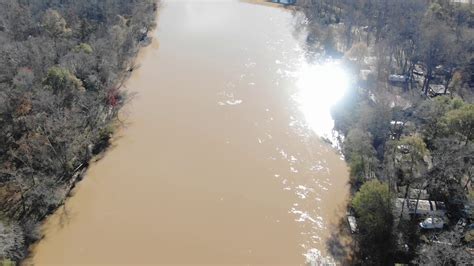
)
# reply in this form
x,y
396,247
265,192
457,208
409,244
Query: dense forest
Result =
x,y
407,124
63,65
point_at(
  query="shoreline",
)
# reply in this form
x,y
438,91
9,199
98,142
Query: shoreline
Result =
x,y
100,149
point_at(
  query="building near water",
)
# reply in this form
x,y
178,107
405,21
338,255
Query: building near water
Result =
x,y
437,89
352,223
285,2
423,207
397,78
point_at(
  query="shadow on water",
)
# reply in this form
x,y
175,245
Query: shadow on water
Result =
x,y
340,244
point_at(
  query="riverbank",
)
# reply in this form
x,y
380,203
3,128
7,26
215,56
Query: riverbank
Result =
x,y
398,132
218,164
45,100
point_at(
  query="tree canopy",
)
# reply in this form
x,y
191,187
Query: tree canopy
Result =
x,y
373,208
63,64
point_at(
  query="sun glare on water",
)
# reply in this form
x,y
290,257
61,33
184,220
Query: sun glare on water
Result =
x,y
320,87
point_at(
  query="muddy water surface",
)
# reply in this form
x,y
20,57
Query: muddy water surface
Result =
x,y
218,161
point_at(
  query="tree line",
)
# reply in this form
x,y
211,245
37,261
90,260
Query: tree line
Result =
x,y
64,63
401,34
399,138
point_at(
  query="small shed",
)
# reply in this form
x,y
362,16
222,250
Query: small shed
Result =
x,y
437,89
352,223
397,78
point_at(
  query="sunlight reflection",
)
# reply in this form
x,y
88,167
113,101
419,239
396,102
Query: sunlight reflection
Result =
x,y
319,88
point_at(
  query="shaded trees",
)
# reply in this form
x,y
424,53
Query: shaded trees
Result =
x,y
54,24
373,208
11,241
361,155
404,32
60,61
60,80
434,44
419,142
444,249
461,122
429,117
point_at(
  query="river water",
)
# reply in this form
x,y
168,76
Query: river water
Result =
x,y
219,161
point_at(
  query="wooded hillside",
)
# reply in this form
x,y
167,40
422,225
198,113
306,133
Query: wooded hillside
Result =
x,y
63,63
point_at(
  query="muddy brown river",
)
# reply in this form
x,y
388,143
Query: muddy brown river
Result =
x,y
219,161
